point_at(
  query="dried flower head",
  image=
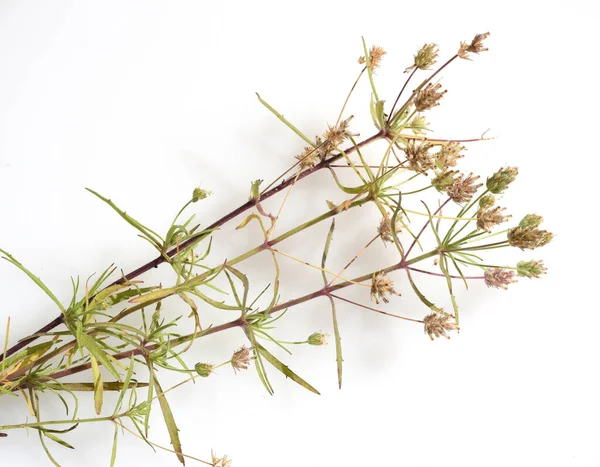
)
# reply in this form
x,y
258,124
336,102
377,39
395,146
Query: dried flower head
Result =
x,y
425,57
204,369
335,135
199,194
531,269
499,278
498,182
418,157
309,158
488,218
381,285
375,56
436,325
476,46
449,155
428,97
528,237
241,359
463,188
385,228
317,338
220,461
531,220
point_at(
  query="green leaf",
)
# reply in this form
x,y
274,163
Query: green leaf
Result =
x,y
154,238
98,386
336,329
155,295
284,368
285,121
96,351
8,257
169,421
56,439
113,456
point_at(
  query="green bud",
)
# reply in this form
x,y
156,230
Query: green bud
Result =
x,y
317,338
498,182
255,190
203,369
199,194
531,220
530,269
487,201
443,180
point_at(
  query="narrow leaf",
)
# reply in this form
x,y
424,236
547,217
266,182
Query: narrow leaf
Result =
x,y
169,421
284,369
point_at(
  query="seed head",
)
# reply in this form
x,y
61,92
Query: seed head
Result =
x,y
309,158
425,57
203,369
476,46
499,278
436,325
318,338
531,220
428,97
449,155
498,182
220,461
335,135
463,188
381,285
528,237
531,269
488,218
385,228
241,359
375,56
418,157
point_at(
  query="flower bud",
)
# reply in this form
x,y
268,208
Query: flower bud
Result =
x,y
317,338
528,237
498,182
487,201
199,194
203,369
531,269
531,220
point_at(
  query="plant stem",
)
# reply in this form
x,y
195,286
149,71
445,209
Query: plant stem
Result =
x,y
190,241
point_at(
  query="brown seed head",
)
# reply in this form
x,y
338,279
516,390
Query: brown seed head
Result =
x,y
309,158
425,57
528,237
418,157
463,188
476,46
220,461
449,155
488,218
499,278
381,285
385,228
375,56
436,325
335,135
241,359
428,97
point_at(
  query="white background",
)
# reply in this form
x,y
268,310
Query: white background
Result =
x,y
143,101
